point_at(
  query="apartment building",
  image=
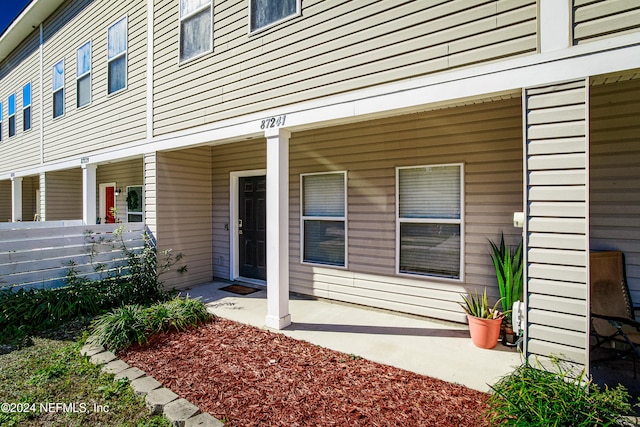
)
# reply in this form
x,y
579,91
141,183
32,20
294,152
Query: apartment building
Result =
x,y
362,151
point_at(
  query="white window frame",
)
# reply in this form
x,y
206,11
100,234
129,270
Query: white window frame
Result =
x,y
141,213
54,90
459,222
124,53
83,75
12,116
297,13
183,18
25,106
344,218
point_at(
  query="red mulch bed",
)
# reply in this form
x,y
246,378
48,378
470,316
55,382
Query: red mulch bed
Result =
x,y
252,377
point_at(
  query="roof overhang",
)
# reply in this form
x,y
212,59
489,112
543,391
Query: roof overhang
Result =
x,y
30,18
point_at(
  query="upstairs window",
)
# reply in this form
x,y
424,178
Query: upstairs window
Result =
x,y
26,107
12,115
58,89
324,218
265,13
117,56
429,227
83,75
196,28
0,121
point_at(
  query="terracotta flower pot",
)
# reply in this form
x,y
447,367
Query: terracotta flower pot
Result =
x,y
484,332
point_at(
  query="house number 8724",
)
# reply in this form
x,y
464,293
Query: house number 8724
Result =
x,y
273,122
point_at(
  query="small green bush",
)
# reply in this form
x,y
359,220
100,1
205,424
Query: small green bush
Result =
x,y
25,311
118,329
536,396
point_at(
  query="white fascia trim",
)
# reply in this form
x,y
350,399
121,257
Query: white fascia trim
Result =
x,y
411,95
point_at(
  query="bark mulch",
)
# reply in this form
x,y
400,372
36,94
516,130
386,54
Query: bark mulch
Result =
x,y
247,376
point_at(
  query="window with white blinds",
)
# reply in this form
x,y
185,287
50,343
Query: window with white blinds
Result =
x,y
323,218
429,222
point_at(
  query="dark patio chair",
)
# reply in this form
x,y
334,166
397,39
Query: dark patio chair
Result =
x,y
612,312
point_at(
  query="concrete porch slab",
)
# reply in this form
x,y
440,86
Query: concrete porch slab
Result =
x,y
429,347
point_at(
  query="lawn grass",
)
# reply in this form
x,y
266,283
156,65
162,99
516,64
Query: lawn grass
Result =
x,y
61,388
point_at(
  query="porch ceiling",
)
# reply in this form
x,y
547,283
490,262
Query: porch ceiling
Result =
x,y
615,77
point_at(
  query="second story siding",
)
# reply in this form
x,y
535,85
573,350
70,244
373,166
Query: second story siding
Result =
x,y
597,19
23,148
332,47
109,119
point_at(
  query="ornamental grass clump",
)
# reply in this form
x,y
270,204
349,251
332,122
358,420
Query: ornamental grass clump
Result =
x,y
134,324
537,396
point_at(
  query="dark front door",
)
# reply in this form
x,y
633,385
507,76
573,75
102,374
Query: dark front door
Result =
x,y
252,227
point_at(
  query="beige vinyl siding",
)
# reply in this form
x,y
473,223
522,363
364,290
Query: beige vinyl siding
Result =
x,y
109,120
5,201
615,175
20,68
241,156
486,138
556,153
29,186
598,19
123,174
332,48
64,195
184,212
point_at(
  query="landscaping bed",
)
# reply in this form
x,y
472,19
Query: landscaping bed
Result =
x,y
247,376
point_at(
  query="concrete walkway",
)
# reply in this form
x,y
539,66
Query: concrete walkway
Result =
x,y
438,349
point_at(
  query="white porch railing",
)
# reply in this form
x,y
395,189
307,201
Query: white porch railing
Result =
x,y
41,256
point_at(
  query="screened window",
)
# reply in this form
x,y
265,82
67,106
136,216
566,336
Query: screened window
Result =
x,y
323,218
12,115
430,220
58,89
117,56
26,107
196,28
265,13
134,203
0,121
83,75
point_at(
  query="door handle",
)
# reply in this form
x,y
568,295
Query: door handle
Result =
x,y
239,223
239,231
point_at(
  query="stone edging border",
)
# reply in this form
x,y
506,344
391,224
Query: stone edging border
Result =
x,y
160,400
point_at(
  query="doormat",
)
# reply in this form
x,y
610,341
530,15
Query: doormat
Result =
x,y
239,289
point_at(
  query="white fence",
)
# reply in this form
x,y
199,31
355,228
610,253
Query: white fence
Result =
x,y
42,256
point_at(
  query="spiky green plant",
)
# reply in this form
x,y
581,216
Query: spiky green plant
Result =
x,y
478,306
509,268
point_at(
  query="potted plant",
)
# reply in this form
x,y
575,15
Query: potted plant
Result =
x,y
484,321
509,268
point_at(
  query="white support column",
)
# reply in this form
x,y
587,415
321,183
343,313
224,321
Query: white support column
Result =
x,y
554,24
16,199
42,214
89,193
278,316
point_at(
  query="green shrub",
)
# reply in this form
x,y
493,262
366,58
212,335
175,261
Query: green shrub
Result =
x,y
25,311
132,324
536,396
120,327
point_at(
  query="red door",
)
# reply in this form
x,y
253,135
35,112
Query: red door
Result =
x,y
109,204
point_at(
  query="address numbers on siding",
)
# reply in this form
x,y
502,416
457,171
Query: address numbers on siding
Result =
x,y
273,122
